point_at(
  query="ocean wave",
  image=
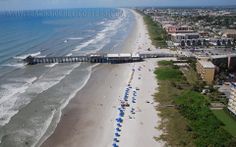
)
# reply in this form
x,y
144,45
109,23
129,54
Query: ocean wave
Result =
x,y
75,38
26,55
101,23
39,124
9,95
14,95
78,48
68,55
17,65
111,25
51,65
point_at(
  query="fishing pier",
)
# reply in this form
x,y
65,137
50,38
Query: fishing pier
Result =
x,y
97,58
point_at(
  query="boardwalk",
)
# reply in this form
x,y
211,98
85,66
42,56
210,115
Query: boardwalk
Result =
x,y
96,58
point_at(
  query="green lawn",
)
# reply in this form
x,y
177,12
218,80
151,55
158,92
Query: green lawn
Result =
x,y
229,121
169,73
191,75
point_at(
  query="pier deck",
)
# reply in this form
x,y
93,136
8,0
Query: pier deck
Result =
x,y
96,58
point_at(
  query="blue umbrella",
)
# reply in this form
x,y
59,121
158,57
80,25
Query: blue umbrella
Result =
x,y
121,110
116,140
133,102
115,145
119,125
121,115
120,120
118,129
117,134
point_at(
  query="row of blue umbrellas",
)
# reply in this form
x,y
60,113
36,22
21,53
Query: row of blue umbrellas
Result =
x,y
121,109
119,120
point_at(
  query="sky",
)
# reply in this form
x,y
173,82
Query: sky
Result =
x,y
44,4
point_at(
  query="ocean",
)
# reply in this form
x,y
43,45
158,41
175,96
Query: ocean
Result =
x,y
32,98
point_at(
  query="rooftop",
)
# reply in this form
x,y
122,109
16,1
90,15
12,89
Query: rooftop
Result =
x,y
230,31
206,64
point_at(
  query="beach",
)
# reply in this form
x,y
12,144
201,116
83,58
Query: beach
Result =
x,y
90,119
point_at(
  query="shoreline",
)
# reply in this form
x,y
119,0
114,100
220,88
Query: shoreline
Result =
x,y
90,116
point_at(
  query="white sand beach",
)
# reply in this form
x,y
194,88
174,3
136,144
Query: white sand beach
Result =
x,y
90,118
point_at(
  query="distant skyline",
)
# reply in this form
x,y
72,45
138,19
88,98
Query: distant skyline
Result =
x,y
45,4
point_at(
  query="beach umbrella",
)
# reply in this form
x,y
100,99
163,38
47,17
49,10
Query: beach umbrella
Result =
x,y
118,129
133,102
120,120
119,125
115,145
117,134
121,111
116,140
122,114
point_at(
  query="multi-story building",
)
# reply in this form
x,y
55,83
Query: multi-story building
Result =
x,y
230,34
178,37
207,71
232,99
172,28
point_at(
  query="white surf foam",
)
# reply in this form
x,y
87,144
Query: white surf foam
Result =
x,y
101,23
68,55
51,65
13,95
75,38
26,55
8,97
111,25
17,65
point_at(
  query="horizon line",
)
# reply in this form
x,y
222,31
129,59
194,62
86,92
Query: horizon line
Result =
x,y
130,7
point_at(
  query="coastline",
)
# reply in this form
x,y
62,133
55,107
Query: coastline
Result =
x,y
89,118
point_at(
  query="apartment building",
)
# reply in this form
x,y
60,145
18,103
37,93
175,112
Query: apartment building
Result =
x,y
207,71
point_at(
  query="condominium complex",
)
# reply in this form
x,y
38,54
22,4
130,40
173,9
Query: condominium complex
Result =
x,y
207,70
232,100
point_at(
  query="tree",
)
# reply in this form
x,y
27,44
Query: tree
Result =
x,y
188,43
218,43
194,42
199,42
229,42
182,43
